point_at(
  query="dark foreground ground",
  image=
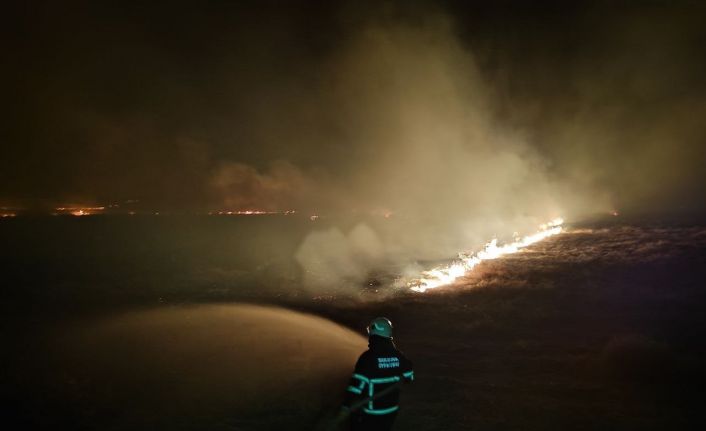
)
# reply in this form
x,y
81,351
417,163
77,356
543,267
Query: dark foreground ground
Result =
x,y
599,328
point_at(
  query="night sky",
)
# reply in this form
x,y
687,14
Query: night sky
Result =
x,y
512,107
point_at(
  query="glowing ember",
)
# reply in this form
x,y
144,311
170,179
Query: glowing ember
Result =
x,y
445,275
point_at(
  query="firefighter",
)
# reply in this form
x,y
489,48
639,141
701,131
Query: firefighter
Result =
x,y
373,394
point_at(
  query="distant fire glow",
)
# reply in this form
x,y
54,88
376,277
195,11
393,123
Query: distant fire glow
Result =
x,y
79,211
251,212
447,274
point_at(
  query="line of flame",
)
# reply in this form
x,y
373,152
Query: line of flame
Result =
x,y
447,274
251,212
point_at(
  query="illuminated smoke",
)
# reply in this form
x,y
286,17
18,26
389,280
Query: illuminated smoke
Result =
x,y
447,274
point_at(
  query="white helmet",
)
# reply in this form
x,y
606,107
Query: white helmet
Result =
x,y
380,326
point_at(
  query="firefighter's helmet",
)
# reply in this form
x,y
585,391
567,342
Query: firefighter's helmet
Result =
x,y
380,326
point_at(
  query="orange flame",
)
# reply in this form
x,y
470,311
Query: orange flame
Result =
x,y
445,275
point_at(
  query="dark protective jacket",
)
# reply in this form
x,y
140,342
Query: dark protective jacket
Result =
x,y
381,366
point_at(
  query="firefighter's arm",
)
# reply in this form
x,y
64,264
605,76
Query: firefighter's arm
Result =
x,y
358,384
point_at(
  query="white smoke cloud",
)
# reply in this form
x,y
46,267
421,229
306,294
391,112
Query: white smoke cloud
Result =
x,y
332,259
426,145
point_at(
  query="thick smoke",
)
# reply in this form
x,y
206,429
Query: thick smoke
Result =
x,y
621,115
417,116
450,150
